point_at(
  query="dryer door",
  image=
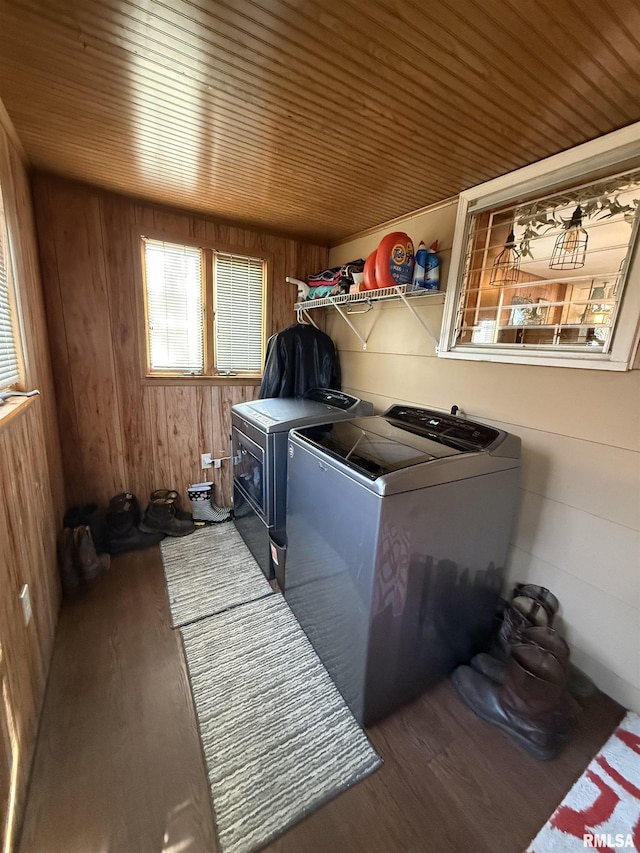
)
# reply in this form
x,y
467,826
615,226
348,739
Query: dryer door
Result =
x,y
249,475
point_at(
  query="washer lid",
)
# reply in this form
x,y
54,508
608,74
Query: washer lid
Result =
x,y
376,446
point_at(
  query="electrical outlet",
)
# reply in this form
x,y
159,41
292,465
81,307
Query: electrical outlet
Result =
x,y
205,460
25,600
217,463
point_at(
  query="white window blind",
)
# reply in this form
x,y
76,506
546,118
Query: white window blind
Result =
x,y
9,361
238,286
173,276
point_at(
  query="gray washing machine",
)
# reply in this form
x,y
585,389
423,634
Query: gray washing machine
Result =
x,y
398,528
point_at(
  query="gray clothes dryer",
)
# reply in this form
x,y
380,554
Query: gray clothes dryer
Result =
x,y
259,431
398,528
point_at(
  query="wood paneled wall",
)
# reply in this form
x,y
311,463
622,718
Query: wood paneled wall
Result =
x,y
119,430
31,499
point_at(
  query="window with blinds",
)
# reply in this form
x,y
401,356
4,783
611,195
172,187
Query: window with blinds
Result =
x,y
546,276
9,353
174,296
204,310
238,328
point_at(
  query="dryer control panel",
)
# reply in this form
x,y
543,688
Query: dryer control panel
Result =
x,y
448,429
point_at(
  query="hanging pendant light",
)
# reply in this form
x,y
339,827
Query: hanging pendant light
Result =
x,y
506,267
571,246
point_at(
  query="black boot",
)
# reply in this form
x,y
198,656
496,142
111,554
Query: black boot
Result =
x,y
123,517
160,517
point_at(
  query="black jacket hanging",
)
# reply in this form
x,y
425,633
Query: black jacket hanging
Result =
x,y
298,359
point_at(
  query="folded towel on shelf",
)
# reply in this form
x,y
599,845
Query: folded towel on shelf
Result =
x,y
323,291
333,281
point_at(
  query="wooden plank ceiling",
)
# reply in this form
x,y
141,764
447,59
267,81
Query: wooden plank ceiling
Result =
x,y
318,118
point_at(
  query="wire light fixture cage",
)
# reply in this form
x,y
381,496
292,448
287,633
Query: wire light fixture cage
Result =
x,y
570,249
506,267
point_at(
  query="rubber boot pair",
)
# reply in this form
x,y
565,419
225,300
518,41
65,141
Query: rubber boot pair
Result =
x,y
531,703
205,509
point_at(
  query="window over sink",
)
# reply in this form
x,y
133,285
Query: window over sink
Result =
x,y
544,266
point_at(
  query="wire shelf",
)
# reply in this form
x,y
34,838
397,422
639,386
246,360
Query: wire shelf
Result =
x,y
367,296
398,291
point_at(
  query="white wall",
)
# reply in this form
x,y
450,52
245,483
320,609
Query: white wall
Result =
x,y
579,524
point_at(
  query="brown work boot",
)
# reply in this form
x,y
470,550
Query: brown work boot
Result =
x,y
160,517
532,704
172,496
578,683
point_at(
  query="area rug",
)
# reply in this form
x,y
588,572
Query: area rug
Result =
x,y
209,571
602,810
278,739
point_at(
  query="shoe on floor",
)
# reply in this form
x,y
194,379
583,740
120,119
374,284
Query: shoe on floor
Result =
x,y
174,497
160,517
122,533
202,499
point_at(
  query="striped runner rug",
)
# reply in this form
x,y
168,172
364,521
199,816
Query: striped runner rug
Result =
x,y
278,739
209,571
602,810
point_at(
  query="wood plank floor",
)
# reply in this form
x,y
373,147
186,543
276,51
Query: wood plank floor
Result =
x,y
118,768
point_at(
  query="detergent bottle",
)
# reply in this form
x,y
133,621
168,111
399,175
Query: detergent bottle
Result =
x,y
432,268
420,268
394,260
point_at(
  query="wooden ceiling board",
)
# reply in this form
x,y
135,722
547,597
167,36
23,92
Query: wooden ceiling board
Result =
x,y
318,118
283,107
171,111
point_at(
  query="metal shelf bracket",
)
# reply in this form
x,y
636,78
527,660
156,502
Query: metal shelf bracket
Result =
x,y
401,293
343,314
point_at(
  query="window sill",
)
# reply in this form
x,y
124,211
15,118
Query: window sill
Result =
x,y
551,359
13,408
202,380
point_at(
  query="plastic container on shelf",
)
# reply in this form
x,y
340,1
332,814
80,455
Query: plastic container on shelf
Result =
x,y
432,275
370,271
420,267
394,260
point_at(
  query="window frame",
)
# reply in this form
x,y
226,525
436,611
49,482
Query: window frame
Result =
x,y
15,312
611,152
208,249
